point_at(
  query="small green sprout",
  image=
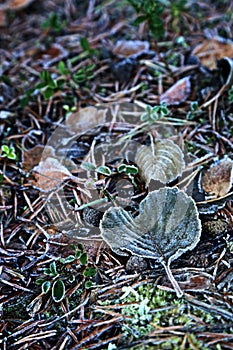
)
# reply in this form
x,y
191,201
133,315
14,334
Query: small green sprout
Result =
x,y
63,68
130,170
105,170
84,74
86,46
153,114
53,23
61,273
69,109
230,94
194,110
49,85
8,152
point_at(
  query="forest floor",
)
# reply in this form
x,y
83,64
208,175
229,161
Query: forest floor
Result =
x,y
111,132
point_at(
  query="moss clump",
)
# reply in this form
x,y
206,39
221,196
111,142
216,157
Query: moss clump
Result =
x,y
148,309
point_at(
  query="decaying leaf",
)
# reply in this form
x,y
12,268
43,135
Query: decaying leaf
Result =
x,y
48,56
177,93
218,180
31,157
129,48
86,118
163,161
167,226
196,283
211,50
50,173
11,5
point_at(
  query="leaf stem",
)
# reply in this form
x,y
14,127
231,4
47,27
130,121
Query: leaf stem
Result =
x,y
172,279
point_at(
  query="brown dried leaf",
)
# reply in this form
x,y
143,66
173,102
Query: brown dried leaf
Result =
x,y
50,173
177,93
164,162
129,48
196,283
211,50
17,4
32,157
86,118
51,54
218,179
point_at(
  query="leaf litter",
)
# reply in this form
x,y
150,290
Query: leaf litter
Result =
x,y
30,242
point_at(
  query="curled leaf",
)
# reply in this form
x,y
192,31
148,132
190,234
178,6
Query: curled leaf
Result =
x,y
163,161
218,180
167,226
177,93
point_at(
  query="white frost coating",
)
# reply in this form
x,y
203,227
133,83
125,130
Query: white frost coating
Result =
x,y
164,165
167,226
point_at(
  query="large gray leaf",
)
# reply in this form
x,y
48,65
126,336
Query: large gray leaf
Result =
x,y
167,226
163,161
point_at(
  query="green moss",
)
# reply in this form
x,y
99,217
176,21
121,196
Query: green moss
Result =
x,y
148,308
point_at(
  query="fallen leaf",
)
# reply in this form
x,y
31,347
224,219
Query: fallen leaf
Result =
x,y
86,118
167,226
193,283
226,68
49,174
218,179
32,157
130,48
211,50
48,56
177,93
163,161
17,4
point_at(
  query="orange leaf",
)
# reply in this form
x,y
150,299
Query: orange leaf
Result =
x,y
218,179
18,4
211,50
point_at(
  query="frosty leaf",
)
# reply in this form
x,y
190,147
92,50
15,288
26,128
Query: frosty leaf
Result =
x,y
218,180
177,93
211,50
164,162
85,119
166,227
50,173
31,157
130,48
